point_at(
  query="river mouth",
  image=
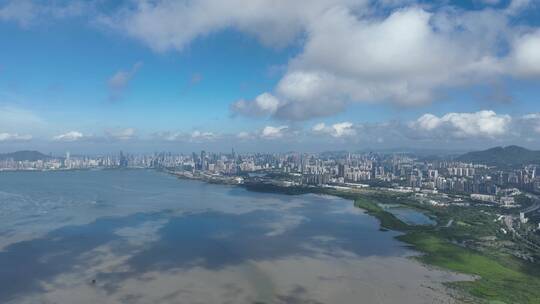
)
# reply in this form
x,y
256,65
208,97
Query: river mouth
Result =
x,y
141,236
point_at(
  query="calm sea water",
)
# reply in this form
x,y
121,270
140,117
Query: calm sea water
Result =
x,y
140,236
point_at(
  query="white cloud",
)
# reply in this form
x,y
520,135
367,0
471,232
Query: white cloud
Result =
x,y
5,137
119,81
121,134
244,135
27,12
404,58
169,24
264,104
428,122
393,51
320,127
525,58
350,51
70,136
22,12
517,6
169,136
270,132
464,125
475,128
199,135
195,136
343,129
532,121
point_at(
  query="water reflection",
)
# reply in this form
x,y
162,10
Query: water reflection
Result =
x,y
170,241
408,215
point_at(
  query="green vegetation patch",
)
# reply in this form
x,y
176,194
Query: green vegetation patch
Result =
x,y
501,278
387,219
509,282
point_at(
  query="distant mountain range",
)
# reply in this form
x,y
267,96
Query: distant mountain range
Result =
x,y
502,156
25,155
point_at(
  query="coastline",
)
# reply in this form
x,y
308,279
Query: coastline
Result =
x,y
500,278
144,210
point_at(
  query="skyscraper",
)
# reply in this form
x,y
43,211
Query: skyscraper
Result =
x,y
123,163
204,162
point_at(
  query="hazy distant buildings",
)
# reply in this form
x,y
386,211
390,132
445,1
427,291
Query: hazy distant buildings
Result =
x,y
315,169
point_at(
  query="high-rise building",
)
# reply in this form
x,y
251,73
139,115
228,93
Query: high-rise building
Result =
x,y
204,161
341,170
123,162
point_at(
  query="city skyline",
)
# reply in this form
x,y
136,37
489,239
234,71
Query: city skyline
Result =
x,y
481,174
144,76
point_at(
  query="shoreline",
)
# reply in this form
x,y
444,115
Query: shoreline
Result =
x,y
498,277
501,277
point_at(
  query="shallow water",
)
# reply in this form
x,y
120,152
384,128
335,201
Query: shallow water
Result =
x,y
141,236
408,215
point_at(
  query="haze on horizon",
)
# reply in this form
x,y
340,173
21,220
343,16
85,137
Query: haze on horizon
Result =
x,y
140,76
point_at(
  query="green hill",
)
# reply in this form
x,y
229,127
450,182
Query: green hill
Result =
x,y
24,155
502,156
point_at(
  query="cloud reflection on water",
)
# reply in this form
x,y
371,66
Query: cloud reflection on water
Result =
x,y
214,244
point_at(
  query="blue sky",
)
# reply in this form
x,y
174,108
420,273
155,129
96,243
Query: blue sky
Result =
x,y
98,76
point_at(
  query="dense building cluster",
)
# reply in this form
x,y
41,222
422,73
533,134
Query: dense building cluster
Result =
x,y
391,170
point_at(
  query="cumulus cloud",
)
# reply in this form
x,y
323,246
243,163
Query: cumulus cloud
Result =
x,y
70,136
475,128
407,57
270,132
264,104
484,125
525,57
169,24
119,81
350,52
463,125
8,137
343,129
404,58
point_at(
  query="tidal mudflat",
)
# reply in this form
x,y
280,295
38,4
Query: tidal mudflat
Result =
x,y
140,236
